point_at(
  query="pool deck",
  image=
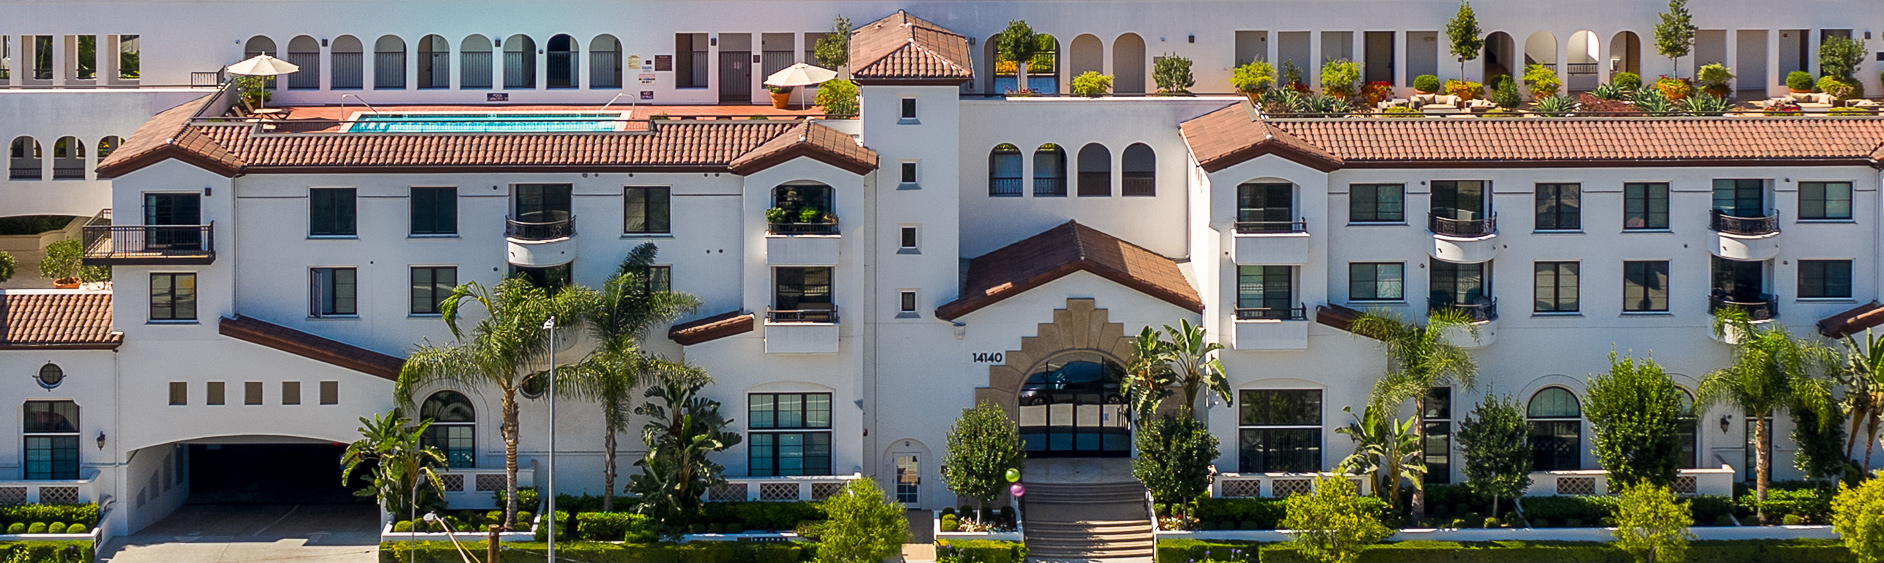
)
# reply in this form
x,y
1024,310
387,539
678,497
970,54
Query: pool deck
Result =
x,y
308,119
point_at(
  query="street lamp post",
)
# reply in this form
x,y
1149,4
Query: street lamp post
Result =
x,y
549,517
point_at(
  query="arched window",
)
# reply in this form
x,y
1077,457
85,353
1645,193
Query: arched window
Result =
x,y
519,62
434,62
1556,430
563,57
23,162
1128,64
389,63
454,427
1087,56
1687,427
605,62
304,52
1004,171
1049,171
349,63
68,159
803,209
1139,171
106,145
257,46
474,68
51,435
1095,171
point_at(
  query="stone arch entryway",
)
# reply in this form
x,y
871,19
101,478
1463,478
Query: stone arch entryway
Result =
x,y
1062,385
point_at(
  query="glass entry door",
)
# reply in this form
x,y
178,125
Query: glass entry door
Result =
x,y
173,210
908,479
1074,408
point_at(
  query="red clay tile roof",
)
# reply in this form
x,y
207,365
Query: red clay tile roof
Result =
x,y
711,328
902,48
1062,250
63,319
1236,134
815,141
169,135
312,347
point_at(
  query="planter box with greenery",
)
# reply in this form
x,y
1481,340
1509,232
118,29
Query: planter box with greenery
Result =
x,y
47,550
979,551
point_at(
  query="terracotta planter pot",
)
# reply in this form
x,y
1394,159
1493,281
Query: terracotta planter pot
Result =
x,y
65,283
780,101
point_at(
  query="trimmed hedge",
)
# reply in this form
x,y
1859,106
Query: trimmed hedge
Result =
x,y
1559,511
1755,551
760,516
982,551
73,551
86,514
1240,513
593,552
616,526
1814,506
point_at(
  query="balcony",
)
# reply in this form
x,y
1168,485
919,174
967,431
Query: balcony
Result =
x,y
783,489
1463,241
1272,242
802,244
540,245
1483,313
802,331
135,245
1745,238
1265,328
1760,310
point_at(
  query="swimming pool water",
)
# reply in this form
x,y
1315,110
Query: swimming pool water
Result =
x,y
486,123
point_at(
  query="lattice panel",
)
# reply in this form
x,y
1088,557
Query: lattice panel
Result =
x,y
12,495
1686,485
1576,485
727,492
453,483
821,491
778,491
1242,488
1281,488
490,482
58,495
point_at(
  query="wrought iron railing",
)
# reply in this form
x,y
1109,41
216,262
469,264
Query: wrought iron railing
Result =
x,y
551,230
822,228
106,243
1578,69
1004,186
1762,309
1468,228
802,315
1262,227
1721,222
1482,311
1138,183
1296,313
209,79
68,170
25,169
1095,183
1050,186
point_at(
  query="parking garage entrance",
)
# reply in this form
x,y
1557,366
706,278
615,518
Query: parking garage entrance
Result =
x,y
303,472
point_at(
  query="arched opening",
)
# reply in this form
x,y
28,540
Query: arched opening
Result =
x,y
389,63
50,432
1556,430
257,46
349,62
1625,54
474,63
1049,171
1004,171
68,159
1585,55
991,52
1139,173
519,62
1043,70
1071,406
434,62
604,62
1095,171
1687,432
106,145
304,52
23,161
454,427
563,57
1128,64
1539,49
808,208
1499,56
1088,56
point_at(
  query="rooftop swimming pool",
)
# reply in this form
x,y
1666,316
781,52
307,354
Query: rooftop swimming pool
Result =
x,y
486,123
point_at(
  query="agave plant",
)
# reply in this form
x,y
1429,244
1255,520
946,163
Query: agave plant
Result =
x,y
1322,105
1610,92
1705,104
1652,103
1556,106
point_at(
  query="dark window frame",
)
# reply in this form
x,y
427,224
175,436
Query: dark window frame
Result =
x,y
1646,202
1373,208
1559,206
333,212
1354,282
767,435
1260,428
325,300
1638,273
1437,449
652,205
50,442
175,296
1824,273
430,299
434,211
1820,208
1554,302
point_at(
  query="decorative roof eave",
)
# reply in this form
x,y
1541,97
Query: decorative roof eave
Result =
x,y
1060,251
310,346
971,303
897,81
817,142
1852,321
711,328
168,151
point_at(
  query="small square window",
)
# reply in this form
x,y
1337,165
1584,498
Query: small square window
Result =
x,y
291,392
214,393
251,392
907,239
179,393
906,301
909,108
909,173
330,392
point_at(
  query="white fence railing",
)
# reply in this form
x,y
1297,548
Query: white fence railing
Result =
x,y
782,489
1275,485
1713,482
83,490
477,488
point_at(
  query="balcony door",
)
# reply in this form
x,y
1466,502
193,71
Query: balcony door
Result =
x,y
802,295
164,214
1740,281
1265,207
1740,198
1459,284
1459,200
542,203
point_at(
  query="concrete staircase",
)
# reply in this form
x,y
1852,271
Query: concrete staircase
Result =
x,y
1087,522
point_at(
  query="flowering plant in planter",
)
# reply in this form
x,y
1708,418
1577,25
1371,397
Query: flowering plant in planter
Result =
x,y
1377,91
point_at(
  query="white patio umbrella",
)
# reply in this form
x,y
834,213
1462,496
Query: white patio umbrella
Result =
x,y
263,65
799,75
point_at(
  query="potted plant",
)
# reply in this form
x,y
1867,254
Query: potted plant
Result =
x,y
1675,89
1714,78
1464,90
1542,80
781,96
1838,89
1254,78
1172,74
1377,91
1092,84
1338,77
62,264
1426,84
1799,82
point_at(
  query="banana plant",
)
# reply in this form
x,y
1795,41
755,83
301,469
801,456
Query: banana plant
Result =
x,y
1385,447
1863,380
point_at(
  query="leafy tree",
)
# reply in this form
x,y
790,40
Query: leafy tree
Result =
x,y
1194,362
1494,439
1770,370
630,304
983,445
1254,78
393,449
863,526
1174,457
684,428
1651,525
7,265
1858,517
1018,43
65,260
1840,57
1419,359
1464,36
1148,379
833,49
498,353
1634,409
838,97
1386,447
1172,74
1821,445
1674,36
1332,524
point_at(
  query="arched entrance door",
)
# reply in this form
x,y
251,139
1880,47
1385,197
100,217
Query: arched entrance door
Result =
x,y
1072,406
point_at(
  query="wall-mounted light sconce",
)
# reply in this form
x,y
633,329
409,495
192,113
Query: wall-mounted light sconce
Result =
x,y
1724,422
101,439
323,41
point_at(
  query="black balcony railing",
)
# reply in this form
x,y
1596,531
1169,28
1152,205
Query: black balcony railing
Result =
x,y
1762,309
1481,311
539,231
1262,227
1296,313
1050,186
1004,186
68,170
1467,228
107,244
1723,223
829,228
1138,183
25,169
828,314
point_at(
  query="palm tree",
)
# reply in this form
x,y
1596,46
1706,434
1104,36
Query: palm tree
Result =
x,y
1863,379
1386,447
630,305
498,353
1149,378
1195,362
683,429
1419,358
1770,370
402,463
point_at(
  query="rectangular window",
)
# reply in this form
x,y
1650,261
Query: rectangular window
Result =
x,y
907,238
430,286
128,58
1825,279
212,393
330,392
1645,286
1740,197
1279,431
1376,203
331,212
906,302
458,441
1825,200
179,393
647,210
909,108
434,211
1559,207
799,452
173,297
802,289
333,292
1376,281
1438,446
1265,292
251,392
1265,208
1556,287
51,432
908,173
660,279
291,392
1645,206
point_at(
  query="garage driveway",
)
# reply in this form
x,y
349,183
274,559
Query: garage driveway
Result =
x,y
310,533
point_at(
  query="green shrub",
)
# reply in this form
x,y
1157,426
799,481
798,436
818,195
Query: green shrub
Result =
x,y
1243,513
1543,81
1858,517
613,526
1799,81
402,526
1628,81
526,500
838,97
1505,93
950,523
49,551
1338,77
36,528
1401,111
1836,87
1849,111
1463,89
1561,508
980,551
16,528
55,528
1426,83
564,527
1172,74
596,552
1254,78
1792,520
8,264
1092,84
1812,505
